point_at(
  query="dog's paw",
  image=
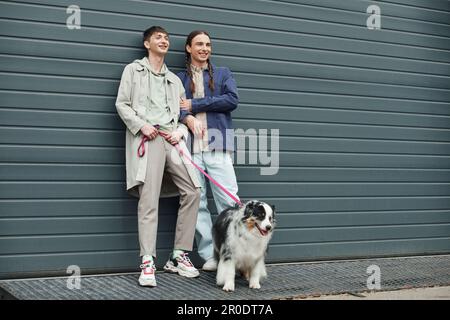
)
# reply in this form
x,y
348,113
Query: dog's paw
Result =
x,y
228,287
254,285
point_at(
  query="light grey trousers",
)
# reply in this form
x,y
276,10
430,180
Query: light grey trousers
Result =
x,y
159,160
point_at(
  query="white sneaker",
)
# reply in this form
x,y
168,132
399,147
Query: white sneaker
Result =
x,y
147,277
182,265
210,265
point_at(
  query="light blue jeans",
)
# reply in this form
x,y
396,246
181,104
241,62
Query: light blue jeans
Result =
x,y
219,165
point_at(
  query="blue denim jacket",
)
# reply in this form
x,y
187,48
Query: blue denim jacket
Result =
x,y
218,105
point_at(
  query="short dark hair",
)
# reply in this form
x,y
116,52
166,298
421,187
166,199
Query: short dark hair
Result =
x,y
150,31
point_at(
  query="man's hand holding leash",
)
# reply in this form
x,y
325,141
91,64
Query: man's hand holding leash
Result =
x,y
149,131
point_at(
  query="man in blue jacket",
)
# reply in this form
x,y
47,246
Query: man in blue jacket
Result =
x,y
211,96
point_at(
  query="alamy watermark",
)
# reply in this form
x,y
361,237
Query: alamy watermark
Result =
x,y
262,147
260,151
73,21
374,20
74,281
374,280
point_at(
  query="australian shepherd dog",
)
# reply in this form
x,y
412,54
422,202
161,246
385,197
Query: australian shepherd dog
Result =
x,y
241,236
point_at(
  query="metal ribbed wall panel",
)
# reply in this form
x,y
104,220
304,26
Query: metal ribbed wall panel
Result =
x,y
364,120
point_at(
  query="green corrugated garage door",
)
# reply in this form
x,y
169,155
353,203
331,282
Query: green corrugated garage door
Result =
x,y
363,118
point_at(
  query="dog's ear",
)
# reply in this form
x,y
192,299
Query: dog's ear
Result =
x,y
249,207
274,220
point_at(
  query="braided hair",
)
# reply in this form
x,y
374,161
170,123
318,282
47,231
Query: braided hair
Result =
x,y
189,39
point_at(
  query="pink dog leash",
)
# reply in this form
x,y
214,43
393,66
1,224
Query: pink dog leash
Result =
x,y
141,152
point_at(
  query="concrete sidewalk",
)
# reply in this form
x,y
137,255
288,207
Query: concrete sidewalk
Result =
x,y
284,282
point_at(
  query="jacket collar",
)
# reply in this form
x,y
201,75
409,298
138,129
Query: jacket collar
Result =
x,y
145,64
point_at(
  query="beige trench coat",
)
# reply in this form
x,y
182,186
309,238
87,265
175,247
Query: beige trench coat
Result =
x,y
131,106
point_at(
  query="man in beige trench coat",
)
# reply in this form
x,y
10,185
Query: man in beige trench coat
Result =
x,y
149,95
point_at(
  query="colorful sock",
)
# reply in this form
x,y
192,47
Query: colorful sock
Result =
x,y
147,257
177,253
